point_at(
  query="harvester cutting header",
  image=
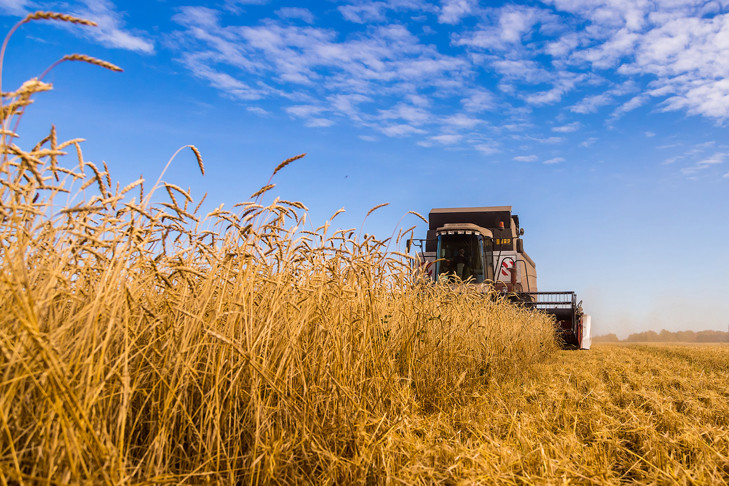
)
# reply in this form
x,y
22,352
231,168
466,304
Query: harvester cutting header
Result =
x,y
483,246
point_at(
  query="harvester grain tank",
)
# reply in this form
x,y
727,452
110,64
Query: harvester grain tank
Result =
x,y
483,246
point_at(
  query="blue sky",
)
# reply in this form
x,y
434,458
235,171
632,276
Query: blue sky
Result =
x,y
603,123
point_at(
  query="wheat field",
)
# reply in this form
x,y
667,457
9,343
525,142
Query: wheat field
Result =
x,y
142,342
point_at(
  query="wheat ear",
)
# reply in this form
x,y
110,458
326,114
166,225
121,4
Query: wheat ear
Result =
x,y
199,158
376,208
82,58
286,162
40,15
418,215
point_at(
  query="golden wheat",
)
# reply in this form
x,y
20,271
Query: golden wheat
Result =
x,y
198,157
286,162
375,208
91,60
140,344
40,15
136,346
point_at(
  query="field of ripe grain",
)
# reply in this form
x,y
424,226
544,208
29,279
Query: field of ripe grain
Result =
x,y
142,342
615,414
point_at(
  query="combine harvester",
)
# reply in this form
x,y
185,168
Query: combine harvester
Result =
x,y
483,246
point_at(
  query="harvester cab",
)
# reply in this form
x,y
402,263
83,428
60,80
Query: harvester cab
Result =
x,y
483,246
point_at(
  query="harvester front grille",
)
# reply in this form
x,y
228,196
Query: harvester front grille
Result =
x,y
563,306
549,300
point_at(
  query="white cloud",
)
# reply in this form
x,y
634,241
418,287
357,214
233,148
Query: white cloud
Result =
x,y
547,140
526,158
447,138
363,12
560,88
504,29
487,148
478,100
701,97
452,11
525,70
412,114
235,5
383,61
563,46
608,13
628,106
348,77
703,164
532,73
222,81
606,55
649,134
258,110
590,104
296,13
570,127
400,130
555,160
391,76
681,44
668,146
717,158
16,7
349,104
699,158
110,30
319,122
304,111
517,21
419,100
459,121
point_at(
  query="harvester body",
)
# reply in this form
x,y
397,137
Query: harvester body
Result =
x,y
483,246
